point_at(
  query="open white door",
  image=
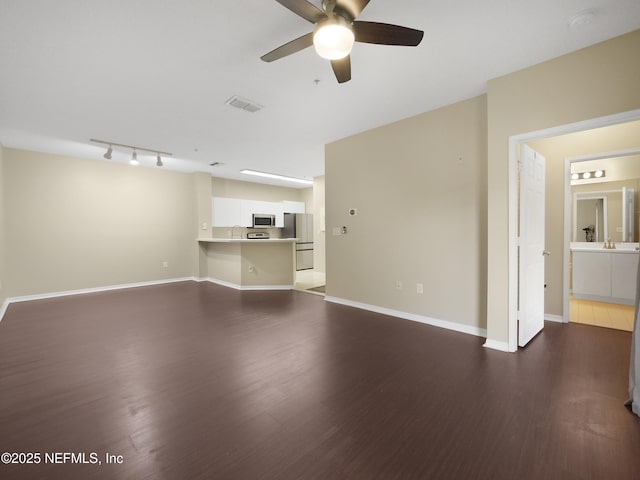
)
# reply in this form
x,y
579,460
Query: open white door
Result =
x,y
532,251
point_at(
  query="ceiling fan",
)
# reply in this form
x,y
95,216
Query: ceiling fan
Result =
x,y
336,30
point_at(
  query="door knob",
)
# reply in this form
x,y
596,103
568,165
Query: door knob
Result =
x,y
546,252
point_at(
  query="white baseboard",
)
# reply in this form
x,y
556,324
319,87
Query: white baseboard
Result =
x,y
495,345
3,309
235,286
82,291
550,317
479,332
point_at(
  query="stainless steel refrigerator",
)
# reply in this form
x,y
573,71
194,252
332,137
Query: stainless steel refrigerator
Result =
x,y
300,226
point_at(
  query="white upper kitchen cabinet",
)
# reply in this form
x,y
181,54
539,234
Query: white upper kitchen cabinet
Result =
x,y
226,212
294,207
229,212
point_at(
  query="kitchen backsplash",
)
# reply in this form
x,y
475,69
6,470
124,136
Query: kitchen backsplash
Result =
x,y
241,232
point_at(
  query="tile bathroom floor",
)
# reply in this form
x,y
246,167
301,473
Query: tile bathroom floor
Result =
x,y
601,314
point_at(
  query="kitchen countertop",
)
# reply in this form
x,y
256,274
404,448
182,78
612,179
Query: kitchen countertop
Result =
x,y
597,247
247,240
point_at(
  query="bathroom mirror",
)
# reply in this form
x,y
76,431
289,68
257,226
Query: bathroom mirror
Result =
x,y
600,215
590,214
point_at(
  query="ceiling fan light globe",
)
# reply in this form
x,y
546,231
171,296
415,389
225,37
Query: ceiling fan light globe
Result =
x,y
333,41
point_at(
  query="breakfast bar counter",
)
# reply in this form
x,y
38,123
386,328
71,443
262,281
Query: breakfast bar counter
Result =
x,y
249,264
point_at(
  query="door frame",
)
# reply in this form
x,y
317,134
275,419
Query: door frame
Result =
x,y
566,276
513,217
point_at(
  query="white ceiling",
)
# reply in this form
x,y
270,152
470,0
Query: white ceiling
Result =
x,y
157,73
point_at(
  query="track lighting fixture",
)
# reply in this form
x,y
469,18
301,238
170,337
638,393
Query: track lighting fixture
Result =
x,y
134,156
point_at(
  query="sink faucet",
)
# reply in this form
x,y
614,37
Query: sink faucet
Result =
x,y
609,245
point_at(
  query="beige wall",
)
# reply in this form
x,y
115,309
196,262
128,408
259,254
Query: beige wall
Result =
x,y
319,249
419,187
307,196
593,82
202,218
224,262
76,224
3,270
272,263
556,150
223,187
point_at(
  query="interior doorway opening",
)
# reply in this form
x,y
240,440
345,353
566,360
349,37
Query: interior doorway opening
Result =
x,y
611,195
514,146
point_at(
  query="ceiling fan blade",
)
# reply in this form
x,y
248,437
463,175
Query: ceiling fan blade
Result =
x,y
303,9
352,7
293,46
342,69
386,34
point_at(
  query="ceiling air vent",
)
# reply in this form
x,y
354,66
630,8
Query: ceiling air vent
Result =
x,y
244,104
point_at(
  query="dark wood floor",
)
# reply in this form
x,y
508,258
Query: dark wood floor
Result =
x,y
197,381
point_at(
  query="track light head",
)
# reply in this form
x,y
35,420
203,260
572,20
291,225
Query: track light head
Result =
x,y
107,155
159,160
134,158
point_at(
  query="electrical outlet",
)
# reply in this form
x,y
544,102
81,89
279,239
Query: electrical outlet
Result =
x,y
205,226
165,264
419,288
251,269
398,285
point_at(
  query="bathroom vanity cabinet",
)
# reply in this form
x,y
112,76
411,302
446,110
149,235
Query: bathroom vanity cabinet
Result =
x,y
605,275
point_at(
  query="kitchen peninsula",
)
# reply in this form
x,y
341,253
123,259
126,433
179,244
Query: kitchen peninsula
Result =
x,y
250,264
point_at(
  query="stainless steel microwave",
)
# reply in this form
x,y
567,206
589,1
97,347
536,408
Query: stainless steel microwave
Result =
x,y
264,220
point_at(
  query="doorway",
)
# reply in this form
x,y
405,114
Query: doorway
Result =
x,y
612,198
514,146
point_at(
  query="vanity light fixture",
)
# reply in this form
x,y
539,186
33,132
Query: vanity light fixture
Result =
x,y
276,176
134,156
588,175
